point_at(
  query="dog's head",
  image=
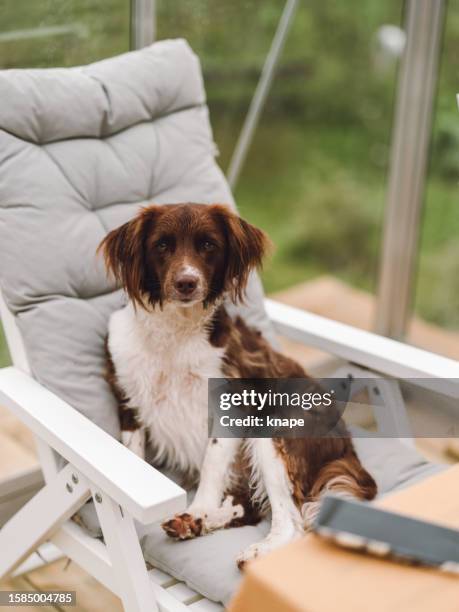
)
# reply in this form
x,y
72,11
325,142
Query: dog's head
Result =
x,y
184,253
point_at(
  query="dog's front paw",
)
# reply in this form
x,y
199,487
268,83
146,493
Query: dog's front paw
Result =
x,y
270,543
183,527
252,552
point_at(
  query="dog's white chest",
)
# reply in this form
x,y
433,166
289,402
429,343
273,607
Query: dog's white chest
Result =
x,y
164,373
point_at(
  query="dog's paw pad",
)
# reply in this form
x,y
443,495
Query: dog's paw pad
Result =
x,y
183,527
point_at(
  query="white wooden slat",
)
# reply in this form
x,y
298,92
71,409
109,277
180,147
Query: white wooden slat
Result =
x,y
168,603
145,493
161,578
384,355
120,536
34,523
91,554
182,593
205,605
48,459
88,552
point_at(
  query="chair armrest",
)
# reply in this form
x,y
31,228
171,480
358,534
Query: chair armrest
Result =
x,y
134,484
373,351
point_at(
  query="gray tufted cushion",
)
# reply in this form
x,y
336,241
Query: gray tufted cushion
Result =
x,y
80,150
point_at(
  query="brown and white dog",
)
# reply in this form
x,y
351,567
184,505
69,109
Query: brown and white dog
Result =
x,y
177,263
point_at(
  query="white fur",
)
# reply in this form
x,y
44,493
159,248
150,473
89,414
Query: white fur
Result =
x,y
162,360
215,472
222,515
286,520
191,271
215,477
340,485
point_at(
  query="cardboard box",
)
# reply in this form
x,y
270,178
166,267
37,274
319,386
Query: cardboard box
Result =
x,y
311,575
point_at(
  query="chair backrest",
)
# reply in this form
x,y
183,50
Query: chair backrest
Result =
x,y
80,150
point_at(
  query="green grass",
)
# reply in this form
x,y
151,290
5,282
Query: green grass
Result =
x,y
320,205
4,354
323,208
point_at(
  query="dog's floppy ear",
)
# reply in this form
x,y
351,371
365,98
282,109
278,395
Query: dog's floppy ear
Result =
x,y
124,253
246,247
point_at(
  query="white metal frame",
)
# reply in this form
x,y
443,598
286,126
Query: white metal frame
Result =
x,y
411,138
143,23
126,489
77,29
261,93
384,397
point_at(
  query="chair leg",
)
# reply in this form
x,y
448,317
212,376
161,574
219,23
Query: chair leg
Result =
x,y
385,398
135,588
41,517
390,412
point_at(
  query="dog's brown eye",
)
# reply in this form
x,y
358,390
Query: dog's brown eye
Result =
x,y
162,246
208,246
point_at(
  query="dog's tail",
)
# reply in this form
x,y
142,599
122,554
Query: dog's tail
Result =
x,y
345,477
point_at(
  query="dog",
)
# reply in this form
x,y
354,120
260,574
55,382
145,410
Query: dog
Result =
x,y
177,264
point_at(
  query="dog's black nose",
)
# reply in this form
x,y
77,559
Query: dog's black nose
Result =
x,y
186,284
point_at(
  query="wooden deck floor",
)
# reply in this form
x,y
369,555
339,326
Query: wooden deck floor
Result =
x,y
325,296
91,596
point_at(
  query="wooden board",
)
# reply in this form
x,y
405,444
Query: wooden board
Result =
x,y
21,584
14,429
14,458
452,448
91,596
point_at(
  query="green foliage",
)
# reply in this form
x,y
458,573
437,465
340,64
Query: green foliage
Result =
x,y
328,219
4,354
324,70
321,236
440,278
97,33
446,147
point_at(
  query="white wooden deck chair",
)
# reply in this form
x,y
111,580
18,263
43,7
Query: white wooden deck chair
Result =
x,y
80,150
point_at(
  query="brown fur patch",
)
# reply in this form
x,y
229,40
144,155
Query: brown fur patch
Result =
x,y
360,483
241,492
247,353
310,462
